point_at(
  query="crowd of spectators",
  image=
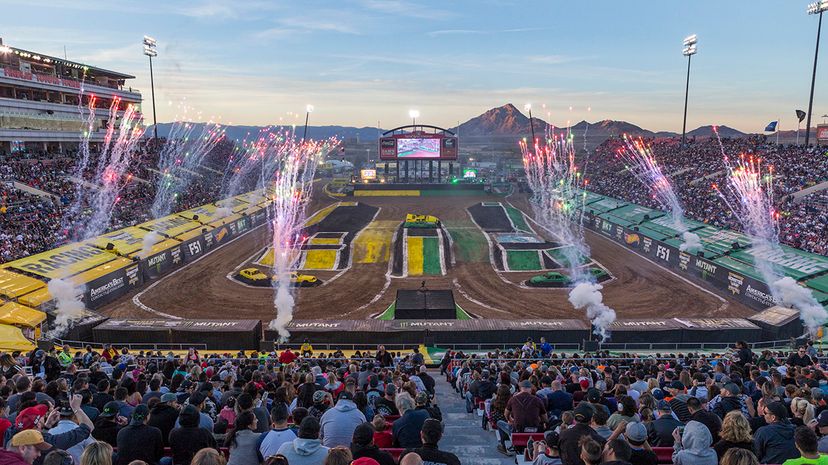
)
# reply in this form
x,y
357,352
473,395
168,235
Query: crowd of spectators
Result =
x,y
700,164
31,224
738,407
116,407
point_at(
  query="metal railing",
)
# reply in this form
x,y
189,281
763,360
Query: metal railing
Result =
x,y
133,345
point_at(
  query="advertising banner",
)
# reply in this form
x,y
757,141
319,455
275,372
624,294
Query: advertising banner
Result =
x,y
162,263
109,287
193,248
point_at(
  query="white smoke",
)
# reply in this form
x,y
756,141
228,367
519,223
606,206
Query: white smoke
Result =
x,y
149,240
791,294
284,309
692,242
223,212
68,307
588,295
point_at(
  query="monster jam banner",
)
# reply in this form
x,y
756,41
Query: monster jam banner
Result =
x,y
193,248
109,287
162,263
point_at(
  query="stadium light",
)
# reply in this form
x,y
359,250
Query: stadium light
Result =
x,y
414,114
528,107
150,50
689,50
308,111
5,49
813,9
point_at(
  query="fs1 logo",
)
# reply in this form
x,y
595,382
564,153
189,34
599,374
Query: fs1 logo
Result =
x,y
194,247
663,253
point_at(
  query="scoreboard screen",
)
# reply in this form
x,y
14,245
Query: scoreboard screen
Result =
x,y
422,147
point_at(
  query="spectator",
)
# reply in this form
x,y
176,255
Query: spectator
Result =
x,y
431,433
806,443
383,438
97,453
424,403
243,441
387,405
774,443
590,452
198,400
800,358
208,456
339,422
271,442
739,457
338,456
599,423
24,448
635,433
189,437
626,413
108,424
547,452
708,419
617,452
660,430
692,447
571,438
525,411
559,400
138,441
362,445
822,429
735,433
406,429
306,449
68,422
164,415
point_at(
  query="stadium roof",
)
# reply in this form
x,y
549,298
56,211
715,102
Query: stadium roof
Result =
x,y
48,59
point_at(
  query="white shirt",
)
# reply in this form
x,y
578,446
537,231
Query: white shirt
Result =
x,y
76,450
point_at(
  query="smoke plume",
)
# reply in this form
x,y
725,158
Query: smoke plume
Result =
x,y
588,295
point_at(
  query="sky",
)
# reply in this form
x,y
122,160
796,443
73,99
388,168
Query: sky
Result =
x,y
360,62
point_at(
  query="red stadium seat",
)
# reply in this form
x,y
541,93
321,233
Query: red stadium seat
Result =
x,y
664,454
521,439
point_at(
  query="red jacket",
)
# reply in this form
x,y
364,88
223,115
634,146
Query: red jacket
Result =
x,y
11,458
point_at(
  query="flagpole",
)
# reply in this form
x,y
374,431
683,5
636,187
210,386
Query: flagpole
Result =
x,y
779,121
797,131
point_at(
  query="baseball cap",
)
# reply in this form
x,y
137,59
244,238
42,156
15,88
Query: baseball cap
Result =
x,y
583,383
658,394
197,398
732,388
66,411
525,384
28,417
421,399
318,396
636,432
664,406
363,434
30,437
778,410
822,419
168,397
110,409
140,413
346,395
593,395
677,385
552,439
583,412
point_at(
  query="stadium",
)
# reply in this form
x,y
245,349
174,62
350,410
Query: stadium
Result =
x,y
195,292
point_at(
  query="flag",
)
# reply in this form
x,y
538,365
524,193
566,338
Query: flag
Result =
x,y
800,114
771,126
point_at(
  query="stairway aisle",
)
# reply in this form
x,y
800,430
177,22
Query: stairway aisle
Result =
x,y
463,435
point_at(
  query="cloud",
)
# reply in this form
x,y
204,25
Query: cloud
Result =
x,y
444,32
406,8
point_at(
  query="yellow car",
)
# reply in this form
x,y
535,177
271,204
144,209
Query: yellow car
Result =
x,y
301,280
253,276
412,218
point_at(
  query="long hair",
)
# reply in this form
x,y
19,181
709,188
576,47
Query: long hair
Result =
x,y
739,456
208,456
339,456
243,421
501,398
97,453
735,428
801,408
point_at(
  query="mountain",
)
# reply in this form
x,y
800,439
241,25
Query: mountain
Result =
x,y
501,121
707,131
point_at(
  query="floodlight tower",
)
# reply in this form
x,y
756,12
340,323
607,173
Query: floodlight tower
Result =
x,y
689,50
308,111
413,114
150,50
813,9
528,107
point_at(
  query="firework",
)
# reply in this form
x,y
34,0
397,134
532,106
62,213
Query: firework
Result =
x,y
641,163
557,201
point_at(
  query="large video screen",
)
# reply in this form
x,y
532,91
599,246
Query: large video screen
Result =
x,y
418,148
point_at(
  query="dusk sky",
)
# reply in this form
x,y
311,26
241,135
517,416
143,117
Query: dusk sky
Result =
x,y
363,61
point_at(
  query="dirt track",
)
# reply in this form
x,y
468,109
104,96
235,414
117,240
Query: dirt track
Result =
x,y
640,289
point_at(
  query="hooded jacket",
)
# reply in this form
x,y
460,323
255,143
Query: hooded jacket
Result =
x,y
373,452
8,457
302,451
695,447
163,417
338,423
774,443
189,438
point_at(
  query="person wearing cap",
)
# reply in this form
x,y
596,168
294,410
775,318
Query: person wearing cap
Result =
x,y
387,405
693,446
430,434
822,429
307,448
700,414
69,422
571,437
108,424
362,445
774,443
38,417
635,433
422,402
660,430
678,400
428,381
163,416
197,399
338,423
406,429
24,448
280,433
727,400
594,397
139,441
321,403
525,411
189,438
546,452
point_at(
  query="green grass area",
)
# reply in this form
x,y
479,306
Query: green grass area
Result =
x,y
461,314
523,260
431,256
517,219
389,312
469,244
559,256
